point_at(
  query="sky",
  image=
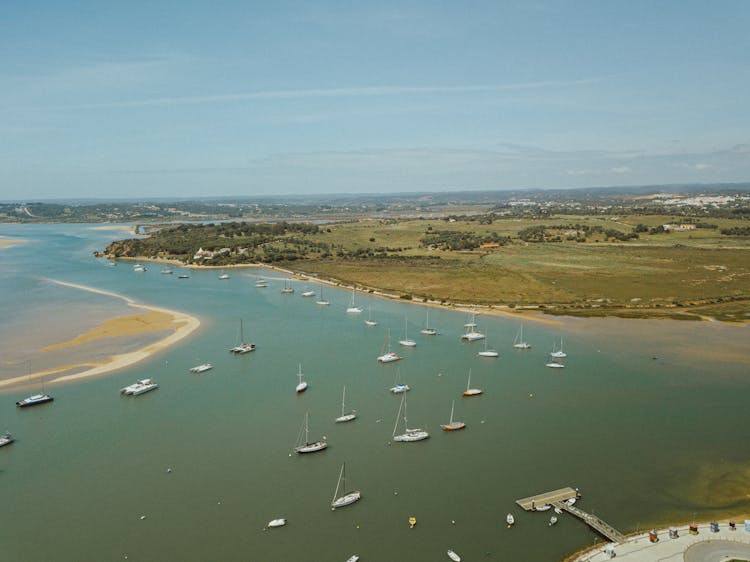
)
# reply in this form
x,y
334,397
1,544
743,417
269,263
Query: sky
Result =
x,y
194,98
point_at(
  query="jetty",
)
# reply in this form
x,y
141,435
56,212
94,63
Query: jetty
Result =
x,y
557,498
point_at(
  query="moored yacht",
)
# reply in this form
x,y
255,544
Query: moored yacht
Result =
x,y
139,387
34,400
202,368
6,438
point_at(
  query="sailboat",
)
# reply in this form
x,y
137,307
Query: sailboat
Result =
x,y
322,301
370,322
453,425
487,352
408,435
427,331
304,446
288,289
471,333
518,342
554,364
261,283
399,387
471,391
353,309
558,353
406,342
224,276
344,417
349,497
243,346
302,386
388,356
308,293
35,399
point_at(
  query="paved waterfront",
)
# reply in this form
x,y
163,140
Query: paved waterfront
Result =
x,y
703,547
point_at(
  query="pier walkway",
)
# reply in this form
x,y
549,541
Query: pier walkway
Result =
x,y
596,523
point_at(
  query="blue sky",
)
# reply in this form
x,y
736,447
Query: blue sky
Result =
x,y
187,98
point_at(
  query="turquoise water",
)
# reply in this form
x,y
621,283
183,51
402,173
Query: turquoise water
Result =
x,y
639,408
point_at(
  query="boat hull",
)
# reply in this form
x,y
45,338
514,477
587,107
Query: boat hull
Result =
x,y
454,426
346,418
348,499
389,358
311,447
34,401
473,336
411,436
488,354
473,392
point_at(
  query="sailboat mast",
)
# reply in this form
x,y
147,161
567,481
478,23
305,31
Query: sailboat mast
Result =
x,y
468,382
341,474
343,398
398,416
452,405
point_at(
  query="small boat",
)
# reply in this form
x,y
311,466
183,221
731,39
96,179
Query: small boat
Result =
x,y
471,391
570,501
370,322
308,293
261,283
558,353
202,368
6,438
555,365
453,425
552,521
349,497
399,387
166,271
388,356
276,523
409,435
353,309
344,417
545,507
353,558
427,331
34,400
412,522
183,276
304,445
488,352
224,276
139,268
406,342
518,342
510,520
302,385
558,511
287,289
139,387
242,347
453,556
471,333
322,301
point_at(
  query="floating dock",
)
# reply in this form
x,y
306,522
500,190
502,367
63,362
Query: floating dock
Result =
x,y
547,498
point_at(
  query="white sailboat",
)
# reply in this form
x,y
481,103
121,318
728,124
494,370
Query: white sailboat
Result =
x,y
558,353
471,333
388,356
409,435
304,445
406,342
555,364
518,342
398,386
349,497
224,276
243,346
322,301
471,391
261,283
308,293
488,352
427,331
302,385
287,289
202,368
344,417
370,322
353,309
453,425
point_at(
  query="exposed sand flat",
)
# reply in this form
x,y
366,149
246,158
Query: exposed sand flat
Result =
x,y
156,319
115,227
10,242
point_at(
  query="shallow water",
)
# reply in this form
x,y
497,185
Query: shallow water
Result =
x,y
630,420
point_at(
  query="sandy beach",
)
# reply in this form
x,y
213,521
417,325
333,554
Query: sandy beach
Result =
x,y
154,319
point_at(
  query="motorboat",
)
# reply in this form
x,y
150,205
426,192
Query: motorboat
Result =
x,y
202,368
34,400
6,438
510,520
139,387
276,523
453,556
308,294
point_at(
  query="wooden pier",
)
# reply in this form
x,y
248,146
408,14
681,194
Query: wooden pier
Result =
x,y
556,498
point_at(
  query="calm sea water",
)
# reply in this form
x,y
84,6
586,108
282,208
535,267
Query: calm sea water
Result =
x,y
641,410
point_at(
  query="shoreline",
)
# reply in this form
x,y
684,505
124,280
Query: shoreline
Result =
x,y
183,325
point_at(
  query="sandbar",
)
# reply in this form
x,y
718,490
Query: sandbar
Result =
x,y
10,242
154,319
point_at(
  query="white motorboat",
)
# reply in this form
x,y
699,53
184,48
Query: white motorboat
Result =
x,y
304,445
453,556
471,391
510,520
345,417
555,365
552,521
453,425
276,523
349,497
558,353
409,435
6,439
308,293
34,400
243,346
224,276
518,342
406,342
302,385
139,387
388,356
545,507
353,309
202,368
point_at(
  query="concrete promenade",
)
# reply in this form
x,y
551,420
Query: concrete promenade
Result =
x,y
703,547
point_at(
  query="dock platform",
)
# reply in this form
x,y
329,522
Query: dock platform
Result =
x,y
547,498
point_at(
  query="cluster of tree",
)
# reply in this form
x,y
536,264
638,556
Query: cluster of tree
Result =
x,y
736,231
458,240
577,232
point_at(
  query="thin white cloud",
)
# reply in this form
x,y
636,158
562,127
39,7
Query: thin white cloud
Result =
x,y
373,91
620,170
